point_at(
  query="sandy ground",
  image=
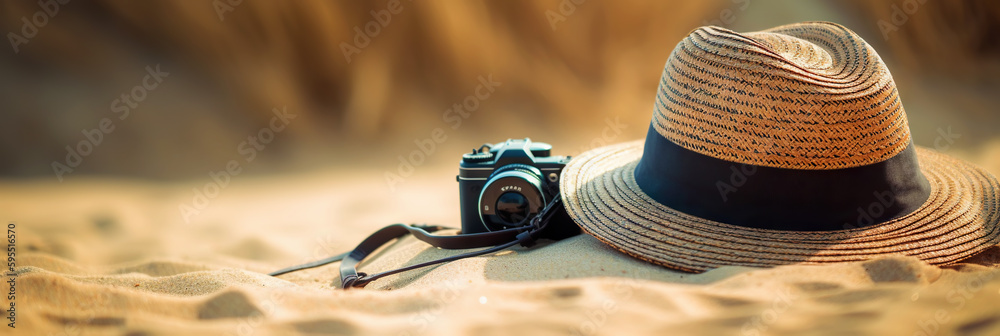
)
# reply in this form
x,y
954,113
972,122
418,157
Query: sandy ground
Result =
x,y
108,256
117,256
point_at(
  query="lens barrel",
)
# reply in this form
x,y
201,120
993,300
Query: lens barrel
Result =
x,y
512,195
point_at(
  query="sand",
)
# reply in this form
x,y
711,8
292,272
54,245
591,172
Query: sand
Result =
x,y
111,256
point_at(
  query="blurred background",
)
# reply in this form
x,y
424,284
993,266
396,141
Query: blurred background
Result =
x,y
365,80
194,171
190,88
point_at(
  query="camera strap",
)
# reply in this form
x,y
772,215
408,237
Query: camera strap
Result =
x,y
524,235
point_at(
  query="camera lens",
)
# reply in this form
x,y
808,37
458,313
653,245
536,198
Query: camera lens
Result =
x,y
511,196
512,207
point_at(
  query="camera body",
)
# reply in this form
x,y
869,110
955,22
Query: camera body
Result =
x,y
504,185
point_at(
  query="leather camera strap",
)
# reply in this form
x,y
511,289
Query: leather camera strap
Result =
x,y
499,240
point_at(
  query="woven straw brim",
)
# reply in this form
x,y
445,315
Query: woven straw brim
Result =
x,y
958,220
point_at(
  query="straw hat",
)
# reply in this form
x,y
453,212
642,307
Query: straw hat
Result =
x,y
788,145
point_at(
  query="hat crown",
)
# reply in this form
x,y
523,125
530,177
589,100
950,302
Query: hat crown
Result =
x,y
803,96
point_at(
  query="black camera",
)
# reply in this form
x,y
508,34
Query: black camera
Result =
x,y
509,195
504,185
